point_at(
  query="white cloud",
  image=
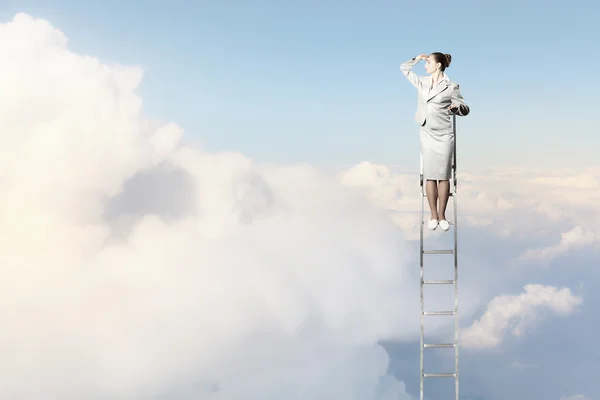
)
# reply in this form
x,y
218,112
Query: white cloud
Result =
x,y
575,397
277,282
575,239
396,193
517,314
579,181
515,204
520,365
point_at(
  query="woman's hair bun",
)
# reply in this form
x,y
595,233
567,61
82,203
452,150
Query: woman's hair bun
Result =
x,y
448,59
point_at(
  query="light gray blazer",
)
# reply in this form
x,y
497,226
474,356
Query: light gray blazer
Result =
x,y
433,104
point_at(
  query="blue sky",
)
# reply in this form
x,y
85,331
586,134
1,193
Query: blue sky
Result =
x,y
285,82
318,82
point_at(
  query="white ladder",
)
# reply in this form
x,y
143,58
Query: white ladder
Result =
x,y
454,281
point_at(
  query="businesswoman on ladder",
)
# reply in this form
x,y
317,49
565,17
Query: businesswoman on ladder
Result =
x,y
438,99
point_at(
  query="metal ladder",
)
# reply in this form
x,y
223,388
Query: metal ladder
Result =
x,y
454,281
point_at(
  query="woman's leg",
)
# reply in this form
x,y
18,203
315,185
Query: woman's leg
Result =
x,y
444,194
432,196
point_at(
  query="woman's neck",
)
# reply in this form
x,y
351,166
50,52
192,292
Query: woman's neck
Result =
x,y
436,76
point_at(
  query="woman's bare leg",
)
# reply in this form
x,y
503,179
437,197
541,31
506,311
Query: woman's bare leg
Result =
x,y
432,196
444,193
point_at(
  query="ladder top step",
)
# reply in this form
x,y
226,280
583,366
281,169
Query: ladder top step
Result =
x,y
439,312
443,375
438,251
440,282
438,345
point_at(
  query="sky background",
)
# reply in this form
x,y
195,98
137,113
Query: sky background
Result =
x,y
319,81
241,263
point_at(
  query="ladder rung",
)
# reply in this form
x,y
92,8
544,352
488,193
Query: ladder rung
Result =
x,y
443,375
439,345
426,222
438,312
438,251
440,282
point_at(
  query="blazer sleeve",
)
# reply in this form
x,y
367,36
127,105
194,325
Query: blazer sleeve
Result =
x,y
406,68
463,108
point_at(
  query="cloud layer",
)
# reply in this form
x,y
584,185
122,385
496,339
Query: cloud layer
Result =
x,y
236,281
517,314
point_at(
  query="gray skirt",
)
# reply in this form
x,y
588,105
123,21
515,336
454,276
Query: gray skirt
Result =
x,y
437,147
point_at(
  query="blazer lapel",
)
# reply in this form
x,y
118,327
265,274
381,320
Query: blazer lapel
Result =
x,y
437,89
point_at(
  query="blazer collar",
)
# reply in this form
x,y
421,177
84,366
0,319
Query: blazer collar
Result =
x,y
439,87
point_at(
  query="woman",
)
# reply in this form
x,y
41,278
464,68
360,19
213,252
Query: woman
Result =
x,y
438,98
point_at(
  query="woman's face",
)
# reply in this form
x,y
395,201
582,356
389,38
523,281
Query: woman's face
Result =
x,y
431,65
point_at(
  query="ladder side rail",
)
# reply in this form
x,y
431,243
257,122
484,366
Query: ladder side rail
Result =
x,y
454,163
456,322
421,273
454,312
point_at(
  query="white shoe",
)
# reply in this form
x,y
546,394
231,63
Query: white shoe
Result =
x,y
432,224
445,225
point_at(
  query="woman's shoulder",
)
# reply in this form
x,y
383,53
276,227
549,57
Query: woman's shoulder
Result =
x,y
453,84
